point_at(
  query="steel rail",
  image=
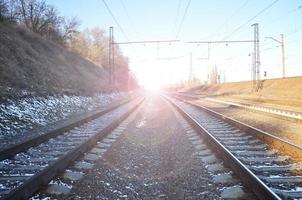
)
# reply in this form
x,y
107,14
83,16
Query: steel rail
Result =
x,y
33,184
23,146
269,110
281,113
260,189
284,146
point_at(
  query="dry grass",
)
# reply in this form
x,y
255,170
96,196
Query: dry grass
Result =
x,y
279,91
29,62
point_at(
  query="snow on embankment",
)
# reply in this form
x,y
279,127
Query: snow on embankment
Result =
x,y
17,117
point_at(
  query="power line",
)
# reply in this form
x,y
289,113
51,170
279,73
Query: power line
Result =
x,y
171,58
115,20
295,40
175,21
177,15
252,18
147,41
282,16
183,19
235,12
128,16
228,19
232,15
222,41
270,48
295,31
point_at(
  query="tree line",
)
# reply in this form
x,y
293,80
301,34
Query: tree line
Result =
x,y
39,17
44,19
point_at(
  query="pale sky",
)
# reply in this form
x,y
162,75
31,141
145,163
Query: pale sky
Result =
x,y
205,20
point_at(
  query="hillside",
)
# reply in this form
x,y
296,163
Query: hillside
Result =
x,y
30,64
289,89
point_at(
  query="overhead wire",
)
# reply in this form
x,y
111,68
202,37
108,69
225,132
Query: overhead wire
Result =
x,y
177,15
295,40
183,19
174,28
251,19
297,8
295,31
270,48
117,23
115,20
128,16
230,17
283,15
235,12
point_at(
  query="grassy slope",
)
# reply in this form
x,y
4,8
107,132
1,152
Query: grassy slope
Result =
x,y
29,62
287,89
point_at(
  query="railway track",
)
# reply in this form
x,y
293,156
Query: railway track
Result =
x,y
269,166
24,170
274,111
287,114
47,133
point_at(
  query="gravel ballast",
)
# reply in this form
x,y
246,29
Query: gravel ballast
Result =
x,y
152,159
286,129
30,117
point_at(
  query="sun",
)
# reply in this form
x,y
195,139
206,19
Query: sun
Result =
x,y
150,75
150,81
155,75
152,86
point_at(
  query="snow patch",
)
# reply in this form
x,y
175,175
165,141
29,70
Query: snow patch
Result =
x,y
20,116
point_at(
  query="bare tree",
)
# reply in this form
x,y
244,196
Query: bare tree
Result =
x,y
13,10
79,44
215,76
38,16
3,9
91,44
98,44
8,10
70,29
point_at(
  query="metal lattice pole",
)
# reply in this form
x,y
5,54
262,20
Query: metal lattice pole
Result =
x,y
283,55
256,59
113,57
110,55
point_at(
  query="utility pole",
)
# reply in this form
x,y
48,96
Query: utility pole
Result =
x,y
190,69
113,59
209,49
158,42
256,59
283,55
110,57
281,42
208,75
